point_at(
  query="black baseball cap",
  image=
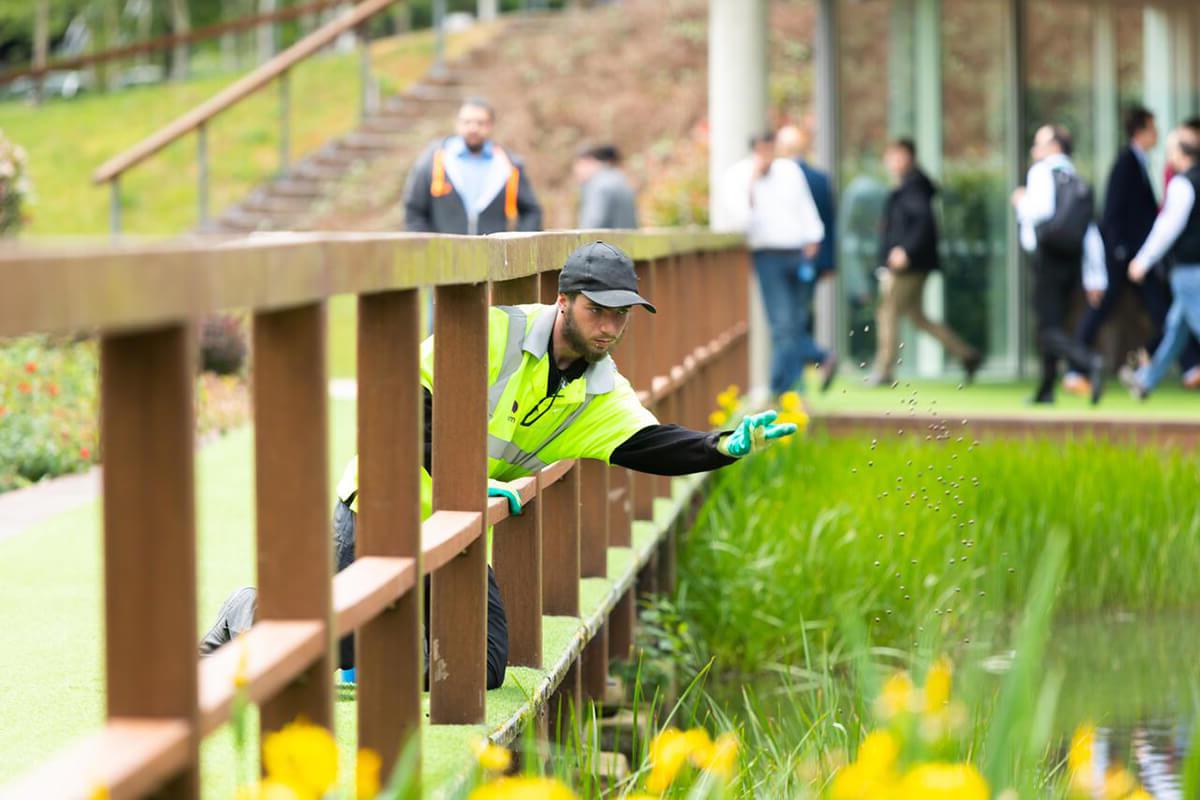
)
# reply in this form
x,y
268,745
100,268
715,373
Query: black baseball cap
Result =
x,y
604,274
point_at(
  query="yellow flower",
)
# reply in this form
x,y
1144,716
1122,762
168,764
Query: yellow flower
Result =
x,y
303,757
790,401
878,753
940,781
896,697
728,399
1079,759
492,757
366,774
241,676
267,790
718,418
856,782
523,788
797,418
720,757
668,753
1140,794
937,685
100,792
1119,784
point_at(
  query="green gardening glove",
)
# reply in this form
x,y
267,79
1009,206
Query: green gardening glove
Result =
x,y
754,434
501,489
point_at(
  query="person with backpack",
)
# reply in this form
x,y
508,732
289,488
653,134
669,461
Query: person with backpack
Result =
x,y
1175,241
1056,209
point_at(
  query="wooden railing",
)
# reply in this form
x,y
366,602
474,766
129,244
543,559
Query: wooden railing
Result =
x,y
198,118
143,303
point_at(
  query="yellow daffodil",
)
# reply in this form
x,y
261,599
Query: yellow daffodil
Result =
x,y
100,792
669,751
267,790
720,757
937,685
896,697
303,757
1083,745
718,418
1119,784
492,757
523,788
855,782
797,418
366,774
1140,794
790,402
939,781
878,753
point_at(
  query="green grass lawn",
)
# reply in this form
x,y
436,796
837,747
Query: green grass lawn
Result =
x,y
68,140
849,394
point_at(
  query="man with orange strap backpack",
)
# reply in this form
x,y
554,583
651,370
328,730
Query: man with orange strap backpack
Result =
x,y
468,184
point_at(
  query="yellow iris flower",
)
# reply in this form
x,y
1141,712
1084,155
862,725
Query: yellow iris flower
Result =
x,y
492,757
303,757
523,788
940,781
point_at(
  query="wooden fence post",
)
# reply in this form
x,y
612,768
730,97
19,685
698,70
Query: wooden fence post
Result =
x,y
458,641
293,509
389,647
147,430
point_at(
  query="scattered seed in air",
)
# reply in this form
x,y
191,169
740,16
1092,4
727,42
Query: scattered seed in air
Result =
x,y
866,328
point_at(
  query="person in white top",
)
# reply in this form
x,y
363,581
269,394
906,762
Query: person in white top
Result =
x,y
1175,241
1056,272
768,199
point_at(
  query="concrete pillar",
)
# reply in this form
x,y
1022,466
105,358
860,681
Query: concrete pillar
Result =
x,y
927,89
487,10
826,318
1106,121
737,109
1158,66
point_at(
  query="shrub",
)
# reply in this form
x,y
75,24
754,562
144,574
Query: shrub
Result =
x,y
222,344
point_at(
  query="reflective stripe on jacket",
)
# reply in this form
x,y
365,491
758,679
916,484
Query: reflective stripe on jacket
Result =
x,y
528,429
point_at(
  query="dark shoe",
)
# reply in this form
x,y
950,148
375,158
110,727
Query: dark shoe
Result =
x,y
875,380
971,365
1096,377
1040,399
828,370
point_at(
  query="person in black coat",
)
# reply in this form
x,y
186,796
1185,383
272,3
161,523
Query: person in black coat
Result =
x,y
908,251
1130,208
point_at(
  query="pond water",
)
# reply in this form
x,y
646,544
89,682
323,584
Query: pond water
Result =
x,y
1136,678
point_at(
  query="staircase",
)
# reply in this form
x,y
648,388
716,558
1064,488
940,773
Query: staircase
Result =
x,y
398,131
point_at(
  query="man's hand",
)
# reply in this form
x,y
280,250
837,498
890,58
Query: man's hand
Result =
x,y
1095,297
1137,271
753,434
1018,195
897,258
811,250
502,489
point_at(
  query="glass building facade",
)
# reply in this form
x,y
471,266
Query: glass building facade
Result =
x,y
970,81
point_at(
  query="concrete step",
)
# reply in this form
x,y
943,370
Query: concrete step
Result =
x,y
369,142
617,733
265,202
295,186
425,94
313,170
236,220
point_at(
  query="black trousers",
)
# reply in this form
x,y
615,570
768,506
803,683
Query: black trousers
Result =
x,y
1155,294
238,611
1055,282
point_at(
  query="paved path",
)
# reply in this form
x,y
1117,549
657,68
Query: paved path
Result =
x,y
23,508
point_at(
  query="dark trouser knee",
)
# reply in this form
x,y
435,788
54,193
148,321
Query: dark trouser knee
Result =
x,y
235,617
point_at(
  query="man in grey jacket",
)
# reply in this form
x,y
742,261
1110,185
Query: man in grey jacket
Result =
x,y
468,184
606,200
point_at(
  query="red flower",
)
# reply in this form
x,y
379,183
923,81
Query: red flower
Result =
x,y
52,388
24,388
30,367
84,453
3,411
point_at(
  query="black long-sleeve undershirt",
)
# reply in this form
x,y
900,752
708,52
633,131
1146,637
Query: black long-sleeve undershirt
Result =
x,y
656,449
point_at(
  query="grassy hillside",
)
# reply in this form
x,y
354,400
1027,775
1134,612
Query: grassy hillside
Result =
x,y
68,140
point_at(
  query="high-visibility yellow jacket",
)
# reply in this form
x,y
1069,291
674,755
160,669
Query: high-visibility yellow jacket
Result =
x,y
587,418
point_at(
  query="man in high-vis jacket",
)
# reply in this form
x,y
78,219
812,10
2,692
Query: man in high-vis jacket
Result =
x,y
468,184
553,393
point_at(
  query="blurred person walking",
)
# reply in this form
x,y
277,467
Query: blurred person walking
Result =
x,y
606,198
468,184
908,251
1055,210
795,142
1175,241
768,198
1130,207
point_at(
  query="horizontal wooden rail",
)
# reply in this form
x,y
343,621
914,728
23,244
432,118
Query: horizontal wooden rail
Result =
x,y
238,91
367,587
170,40
264,659
115,287
446,534
132,756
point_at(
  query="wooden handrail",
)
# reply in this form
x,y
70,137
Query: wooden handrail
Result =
x,y
238,90
170,40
